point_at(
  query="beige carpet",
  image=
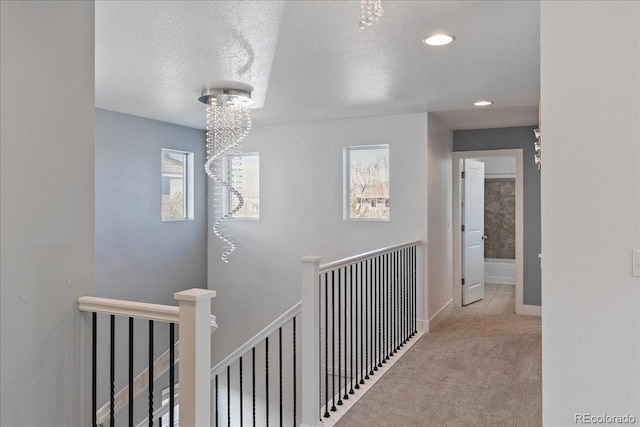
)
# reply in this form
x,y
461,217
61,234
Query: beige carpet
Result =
x,y
481,367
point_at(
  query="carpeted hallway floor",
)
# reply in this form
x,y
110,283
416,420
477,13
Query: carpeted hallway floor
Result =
x,y
480,367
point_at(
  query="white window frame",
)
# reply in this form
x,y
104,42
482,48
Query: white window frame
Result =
x,y
188,184
346,156
227,194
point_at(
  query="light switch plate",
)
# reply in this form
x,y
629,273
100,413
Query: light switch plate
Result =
x,y
636,263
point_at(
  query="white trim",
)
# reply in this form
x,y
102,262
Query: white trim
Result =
x,y
440,315
530,310
346,261
500,175
364,388
422,326
256,339
346,178
457,182
139,310
188,185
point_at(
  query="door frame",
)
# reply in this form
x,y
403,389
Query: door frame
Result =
x,y
457,221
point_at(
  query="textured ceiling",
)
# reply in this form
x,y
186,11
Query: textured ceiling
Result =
x,y
309,60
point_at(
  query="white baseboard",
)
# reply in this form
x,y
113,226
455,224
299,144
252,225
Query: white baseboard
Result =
x,y
529,310
422,325
500,280
440,315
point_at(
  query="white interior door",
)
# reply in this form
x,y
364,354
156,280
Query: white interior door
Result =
x,y
473,234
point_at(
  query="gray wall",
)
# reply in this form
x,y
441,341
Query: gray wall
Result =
x,y
46,210
509,138
139,257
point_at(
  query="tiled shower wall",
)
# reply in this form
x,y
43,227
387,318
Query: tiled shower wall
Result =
x,y
500,218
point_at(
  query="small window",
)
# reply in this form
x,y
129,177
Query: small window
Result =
x,y
366,182
244,171
177,185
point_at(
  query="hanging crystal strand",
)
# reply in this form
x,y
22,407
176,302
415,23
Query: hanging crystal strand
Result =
x,y
227,126
371,11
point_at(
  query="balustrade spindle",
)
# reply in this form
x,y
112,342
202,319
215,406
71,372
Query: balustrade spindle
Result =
x,y
351,320
387,308
385,294
253,384
415,296
346,359
240,381
130,371
280,369
366,321
229,396
326,345
112,376
339,341
172,380
333,342
216,399
372,311
402,297
295,384
266,382
94,369
406,297
362,317
380,311
150,373
395,302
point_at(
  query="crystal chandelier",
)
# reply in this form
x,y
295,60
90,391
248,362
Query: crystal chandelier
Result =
x,y
228,123
371,11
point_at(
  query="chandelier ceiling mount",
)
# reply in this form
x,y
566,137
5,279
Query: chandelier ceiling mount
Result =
x,y
227,97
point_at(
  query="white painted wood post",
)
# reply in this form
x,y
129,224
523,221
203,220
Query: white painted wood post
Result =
x,y
422,295
195,356
310,340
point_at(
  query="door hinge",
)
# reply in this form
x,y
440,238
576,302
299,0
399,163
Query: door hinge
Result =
x,y
463,175
463,282
463,227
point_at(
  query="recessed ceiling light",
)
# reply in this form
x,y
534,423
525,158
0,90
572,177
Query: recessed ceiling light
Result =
x,y
439,39
482,103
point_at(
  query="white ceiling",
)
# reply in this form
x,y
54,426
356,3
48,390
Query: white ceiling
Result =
x,y
309,60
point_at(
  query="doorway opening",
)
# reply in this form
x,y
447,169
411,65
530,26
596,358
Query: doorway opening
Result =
x,y
489,257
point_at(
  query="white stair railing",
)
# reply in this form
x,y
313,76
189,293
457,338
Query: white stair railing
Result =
x,y
195,323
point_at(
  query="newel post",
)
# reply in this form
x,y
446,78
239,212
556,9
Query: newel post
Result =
x,y
310,340
195,356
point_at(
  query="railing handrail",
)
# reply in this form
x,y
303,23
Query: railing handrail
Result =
x,y
366,255
138,310
256,339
